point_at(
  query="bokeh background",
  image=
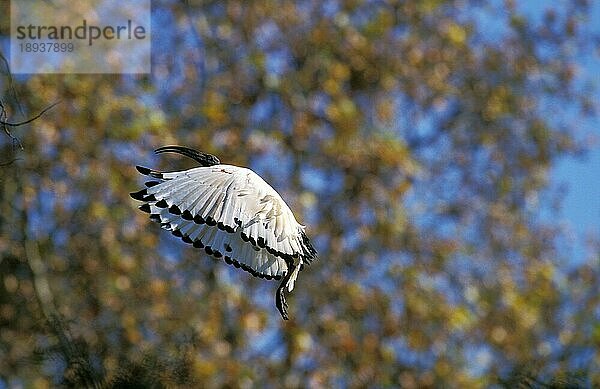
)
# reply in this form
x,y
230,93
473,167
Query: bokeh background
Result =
x,y
427,145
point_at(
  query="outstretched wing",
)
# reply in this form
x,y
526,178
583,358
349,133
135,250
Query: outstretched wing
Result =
x,y
230,212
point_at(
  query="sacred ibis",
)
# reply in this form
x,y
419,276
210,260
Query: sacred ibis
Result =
x,y
231,213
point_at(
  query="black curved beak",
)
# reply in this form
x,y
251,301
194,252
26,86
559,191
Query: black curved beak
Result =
x,y
203,158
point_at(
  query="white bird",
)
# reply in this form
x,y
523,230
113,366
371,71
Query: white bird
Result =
x,y
231,213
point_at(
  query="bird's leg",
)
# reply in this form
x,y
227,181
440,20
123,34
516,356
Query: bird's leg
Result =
x,y
280,295
280,301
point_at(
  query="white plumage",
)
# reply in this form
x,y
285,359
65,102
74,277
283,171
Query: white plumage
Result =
x,y
233,214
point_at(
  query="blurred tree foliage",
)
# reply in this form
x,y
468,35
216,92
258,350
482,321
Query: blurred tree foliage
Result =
x,y
413,138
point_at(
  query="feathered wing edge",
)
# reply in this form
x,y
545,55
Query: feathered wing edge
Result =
x,y
188,227
155,204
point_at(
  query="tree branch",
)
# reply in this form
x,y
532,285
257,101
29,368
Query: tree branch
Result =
x,y
2,122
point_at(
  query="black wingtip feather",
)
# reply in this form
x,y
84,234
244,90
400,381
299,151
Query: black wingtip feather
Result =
x,y
145,208
143,170
174,209
139,195
149,172
261,242
198,244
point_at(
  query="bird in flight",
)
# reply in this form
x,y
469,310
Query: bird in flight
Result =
x,y
231,213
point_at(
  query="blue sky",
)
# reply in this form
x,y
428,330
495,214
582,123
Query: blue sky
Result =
x,y
580,176
579,215
581,206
